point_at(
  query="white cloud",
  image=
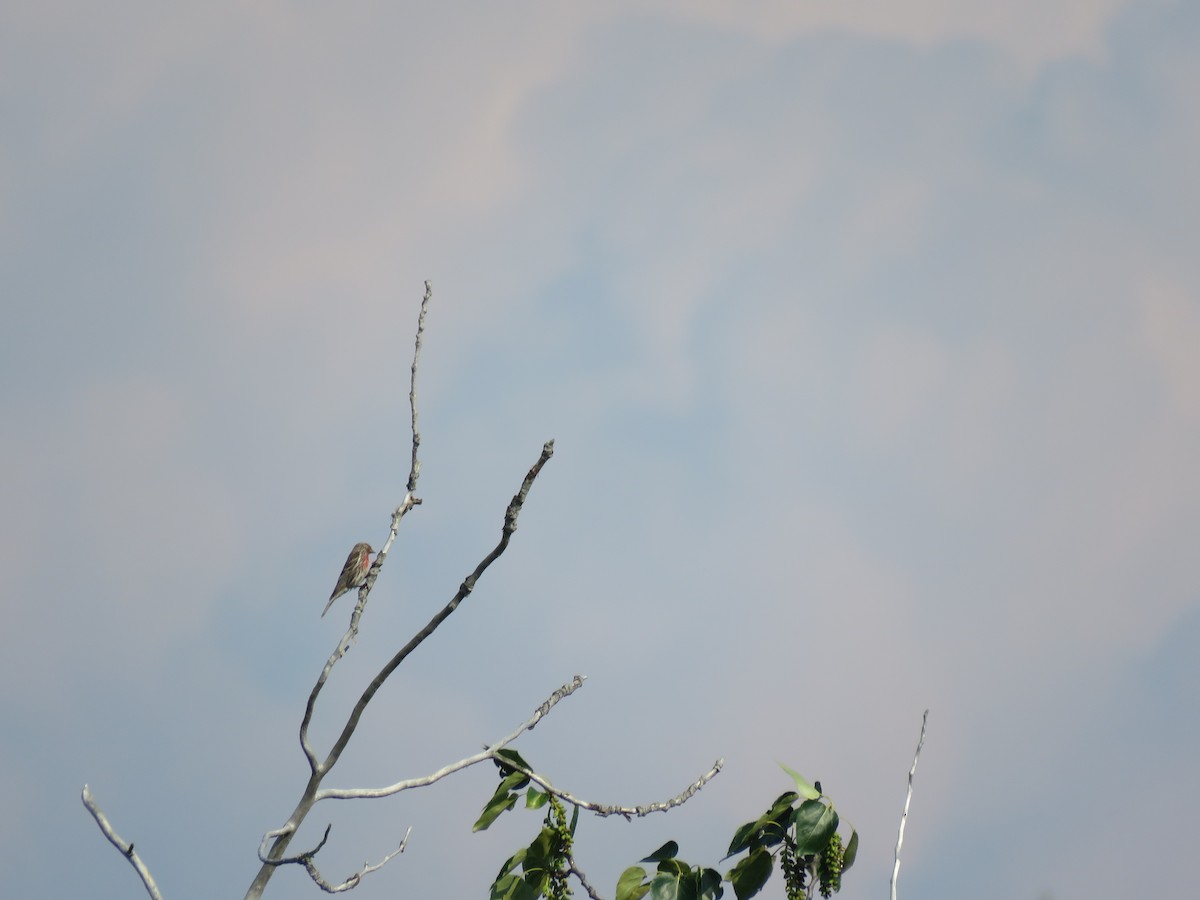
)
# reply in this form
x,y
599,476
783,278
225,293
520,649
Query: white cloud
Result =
x,y
873,369
1033,34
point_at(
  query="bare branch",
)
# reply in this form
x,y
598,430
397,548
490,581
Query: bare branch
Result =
x,y
487,753
289,860
398,513
318,770
907,800
306,859
126,848
352,631
410,500
510,525
415,470
628,812
574,869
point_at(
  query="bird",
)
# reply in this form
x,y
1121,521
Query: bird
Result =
x,y
354,573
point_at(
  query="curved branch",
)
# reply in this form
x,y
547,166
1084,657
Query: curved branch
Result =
x,y
352,632
289,860
468,585
628,812
410,500
318,770
126,848
487,753
573,868
306,859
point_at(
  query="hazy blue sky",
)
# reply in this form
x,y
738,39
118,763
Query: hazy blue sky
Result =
x,y
869,333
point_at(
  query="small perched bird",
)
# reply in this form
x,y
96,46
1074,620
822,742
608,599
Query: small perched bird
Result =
x,y
354,573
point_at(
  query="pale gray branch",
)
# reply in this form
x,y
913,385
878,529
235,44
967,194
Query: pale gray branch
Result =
x,y
628,812
410,500
306,859
573,868
318,769
415,470
351,634
907,801
487,753
125,847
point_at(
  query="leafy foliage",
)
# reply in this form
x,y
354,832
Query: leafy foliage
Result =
x,y
798,833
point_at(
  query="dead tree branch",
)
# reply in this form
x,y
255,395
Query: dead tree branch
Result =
x,y
126,848
410,500
482,756
319,769
573,868
627,812
907,801
415,469
306,860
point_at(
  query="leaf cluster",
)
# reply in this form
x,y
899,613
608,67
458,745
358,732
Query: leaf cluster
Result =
x,y
798,832
541,868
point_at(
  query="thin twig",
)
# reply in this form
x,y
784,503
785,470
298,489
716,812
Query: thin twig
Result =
x,y
628,812
907,800
410,500
126,848
468,585
317,769
306,859
289,860
415,470
321,769
574,869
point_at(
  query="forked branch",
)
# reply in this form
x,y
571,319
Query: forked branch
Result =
x,y
319,769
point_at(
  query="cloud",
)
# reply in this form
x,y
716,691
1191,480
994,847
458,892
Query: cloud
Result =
x,y
867,335
1033,34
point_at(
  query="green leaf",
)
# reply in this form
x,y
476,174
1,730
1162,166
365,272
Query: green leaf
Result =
x,y
851,851
814,822
768,829
775,821
710,885
631,885
514,757
783,803
535,799
513,781
742,838
510,887
749,875
501,801
675,867
574,820
666,851
665,886
803,788
537,856
511,863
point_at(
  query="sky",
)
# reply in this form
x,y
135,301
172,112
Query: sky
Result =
x,y
866,332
